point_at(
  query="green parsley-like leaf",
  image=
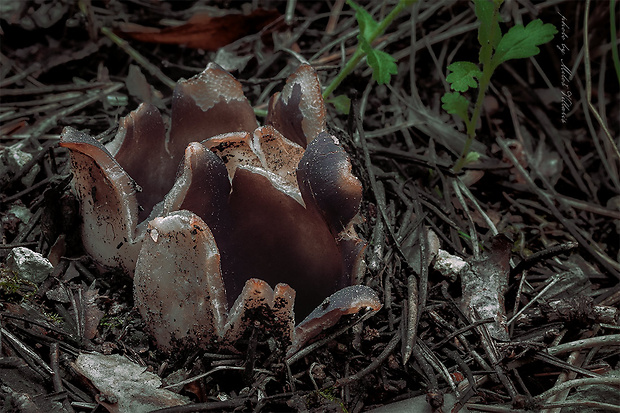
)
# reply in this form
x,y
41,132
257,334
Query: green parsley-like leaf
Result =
x,y
364,20
489,33
455,104
471,157
521,42
383,65
341,103
463,76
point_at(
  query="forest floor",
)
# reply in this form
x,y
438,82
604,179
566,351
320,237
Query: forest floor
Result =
x,y
534,217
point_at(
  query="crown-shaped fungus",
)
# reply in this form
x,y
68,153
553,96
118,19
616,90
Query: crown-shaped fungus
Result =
x,y
208,217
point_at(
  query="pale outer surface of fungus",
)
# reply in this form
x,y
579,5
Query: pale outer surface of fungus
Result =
x,y
168,290
220,87
247,202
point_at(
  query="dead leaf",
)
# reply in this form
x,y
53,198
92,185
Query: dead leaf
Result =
x,y
484,283
203,31
92,313
139,87
124,385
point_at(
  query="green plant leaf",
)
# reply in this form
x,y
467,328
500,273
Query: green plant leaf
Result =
x,y
383,65
455,104
471,157
489,33
521,42
365,21
341,103
463,76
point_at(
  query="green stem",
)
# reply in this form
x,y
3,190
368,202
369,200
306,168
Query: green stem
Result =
x,y
485,80
359,54
348,68
614,38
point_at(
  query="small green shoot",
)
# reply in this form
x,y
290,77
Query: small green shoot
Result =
x,y
331,395
518,43
383,65
14,288
9,283
111,322
54,317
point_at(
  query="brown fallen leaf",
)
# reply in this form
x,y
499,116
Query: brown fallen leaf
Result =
x,y
203,31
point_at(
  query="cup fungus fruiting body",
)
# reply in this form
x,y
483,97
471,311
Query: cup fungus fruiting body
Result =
x,y
210,215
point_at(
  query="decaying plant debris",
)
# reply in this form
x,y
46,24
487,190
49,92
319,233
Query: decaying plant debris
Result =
x,y
537,217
